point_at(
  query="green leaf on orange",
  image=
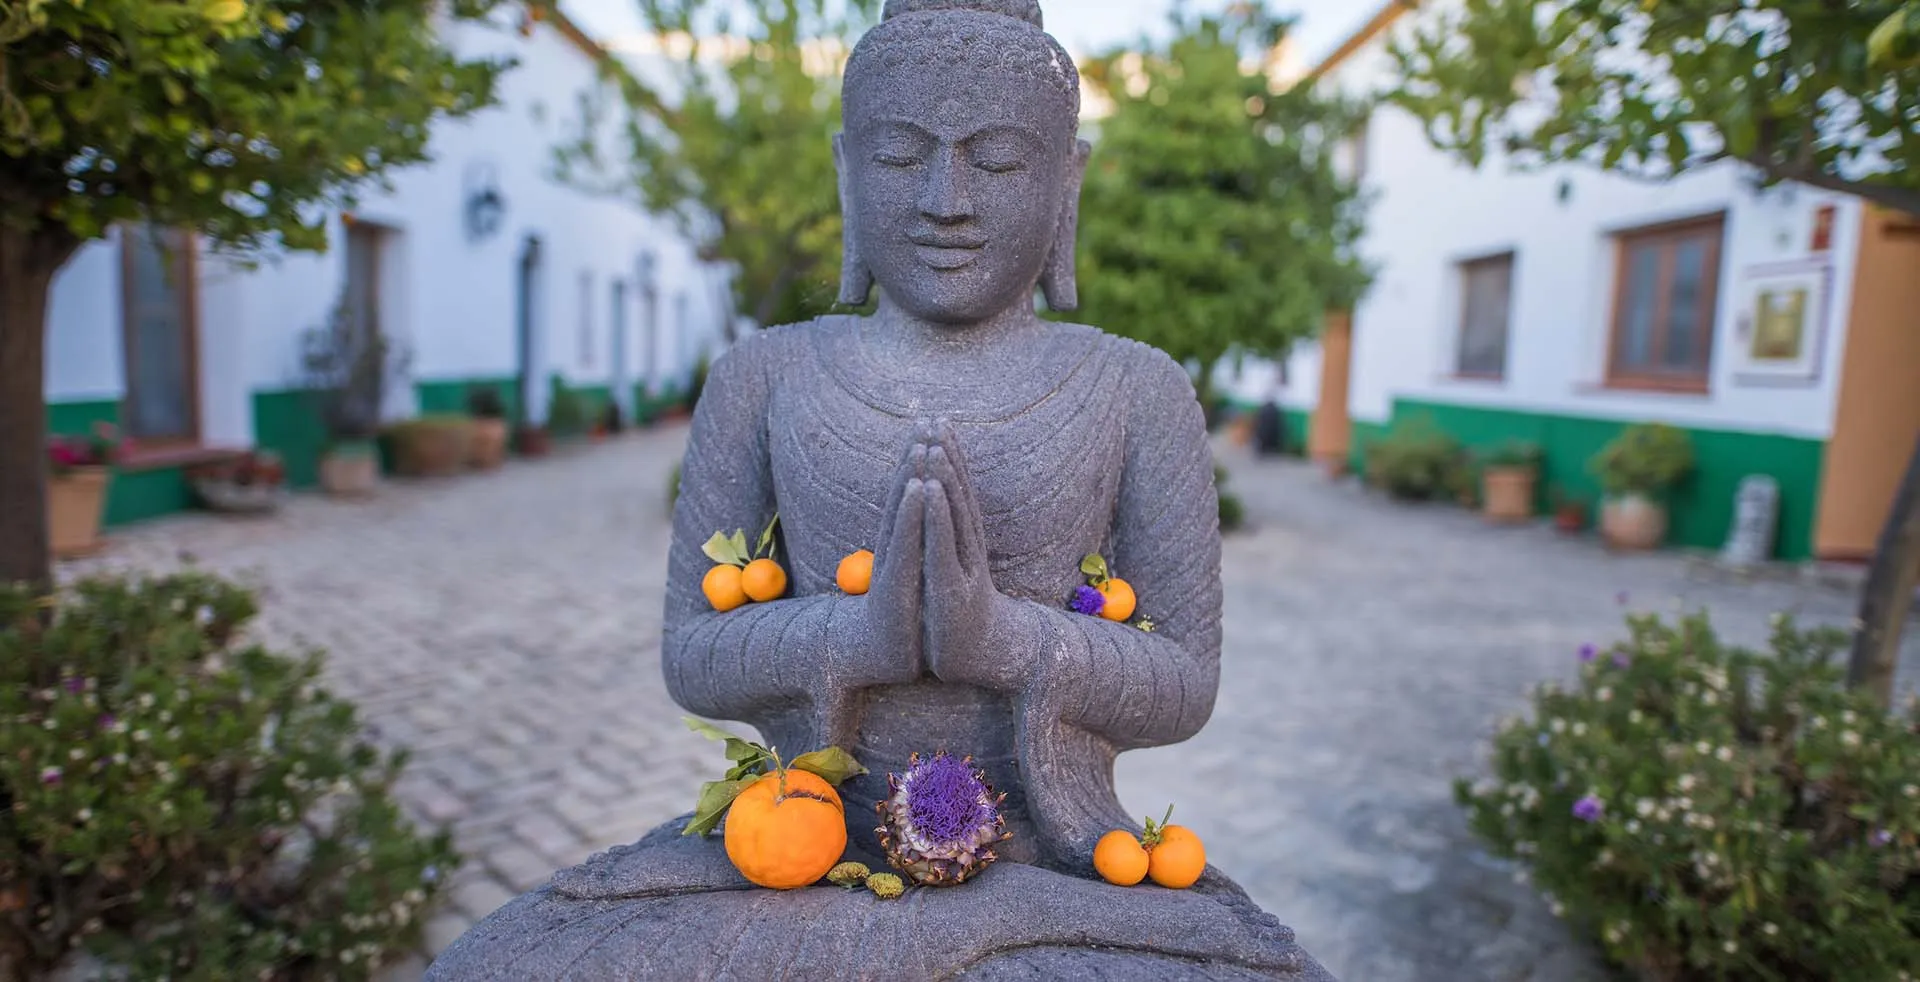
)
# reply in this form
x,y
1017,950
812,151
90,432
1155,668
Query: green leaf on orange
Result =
x,y
833,764
1095,566
726,550
715,798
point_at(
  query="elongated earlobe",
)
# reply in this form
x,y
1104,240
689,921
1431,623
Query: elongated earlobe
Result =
x,y
1060,283
856,280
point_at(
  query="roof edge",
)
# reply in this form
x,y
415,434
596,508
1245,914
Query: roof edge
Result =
x,y
1381,20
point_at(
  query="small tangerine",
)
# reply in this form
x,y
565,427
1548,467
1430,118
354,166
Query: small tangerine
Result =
x,y
1120,599
764,580
1120,859
855,575
1178,859
723,588
786,839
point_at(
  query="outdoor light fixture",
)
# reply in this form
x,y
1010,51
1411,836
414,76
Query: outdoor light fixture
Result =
x,y
486,209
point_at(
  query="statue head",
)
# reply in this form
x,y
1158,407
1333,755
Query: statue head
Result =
x,y
960,163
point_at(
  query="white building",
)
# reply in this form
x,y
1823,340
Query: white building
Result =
x,y
553,281
1558,307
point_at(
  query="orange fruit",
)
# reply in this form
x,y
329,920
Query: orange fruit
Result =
x,y
764,580
1120,600
1178,859
1120,859
723,588
856,572
786,840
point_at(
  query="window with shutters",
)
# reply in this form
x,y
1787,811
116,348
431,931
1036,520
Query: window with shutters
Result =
x,y
1486,291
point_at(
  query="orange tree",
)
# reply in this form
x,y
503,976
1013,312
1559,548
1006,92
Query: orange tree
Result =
x,y
1820,92
243,120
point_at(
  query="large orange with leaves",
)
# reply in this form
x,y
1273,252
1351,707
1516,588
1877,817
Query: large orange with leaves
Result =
x,y
786,830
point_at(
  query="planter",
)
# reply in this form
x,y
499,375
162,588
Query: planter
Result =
x,y
433,447
76,501
350,470
1633,522
1507,494
489,443
240,499
1570,518
532,441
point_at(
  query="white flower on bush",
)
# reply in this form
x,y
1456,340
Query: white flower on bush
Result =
x,y
1849,739
1686,782
1770,929
1818,722
1579,729
1724,755
1605,694
1911,791
1635,717
1558,726
1643,807
1731,947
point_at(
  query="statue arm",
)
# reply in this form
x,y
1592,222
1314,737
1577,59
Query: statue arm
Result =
x,y
1130,686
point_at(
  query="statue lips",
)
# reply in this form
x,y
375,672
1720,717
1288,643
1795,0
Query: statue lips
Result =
x,y
947,252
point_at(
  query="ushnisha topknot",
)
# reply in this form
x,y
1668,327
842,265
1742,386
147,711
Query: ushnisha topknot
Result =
x,y
1026,10
994,36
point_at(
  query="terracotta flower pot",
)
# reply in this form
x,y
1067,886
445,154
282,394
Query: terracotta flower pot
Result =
x,y
1507,494
350,470
489,443
1633,522
432,447
76,502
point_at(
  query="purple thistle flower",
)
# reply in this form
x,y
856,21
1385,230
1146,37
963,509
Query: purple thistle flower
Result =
x,y
50,775
107,720
1588,652
1589,809
76,684
1088,601
946,799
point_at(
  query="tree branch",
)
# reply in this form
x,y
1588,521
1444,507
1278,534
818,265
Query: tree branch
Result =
x,y
1897,198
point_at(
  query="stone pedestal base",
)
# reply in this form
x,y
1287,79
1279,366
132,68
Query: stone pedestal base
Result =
x,y
673,908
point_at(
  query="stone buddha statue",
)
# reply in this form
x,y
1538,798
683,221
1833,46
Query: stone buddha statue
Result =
x,y
980,452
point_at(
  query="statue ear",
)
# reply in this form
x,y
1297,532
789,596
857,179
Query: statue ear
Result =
x,y
1059,282
856,280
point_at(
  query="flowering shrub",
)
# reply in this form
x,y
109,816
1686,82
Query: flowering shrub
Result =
x,y
261,468
186,805
1717,813
97,449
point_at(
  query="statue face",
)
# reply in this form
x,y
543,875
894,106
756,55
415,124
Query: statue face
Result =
x,y
956,181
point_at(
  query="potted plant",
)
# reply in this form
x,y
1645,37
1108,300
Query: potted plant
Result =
x,y
531,439
1569,513
1417,461
432,446
253,482
1507,480
347,371
1636,470
80,472
489,414
566,412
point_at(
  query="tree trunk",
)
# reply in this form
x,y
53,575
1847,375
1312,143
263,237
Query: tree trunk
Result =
x,y
1888,595
27,264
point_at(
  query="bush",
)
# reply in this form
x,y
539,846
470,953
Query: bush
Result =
x,y
1714,813
566,410
1416,461
187,805
1514,454
484,402
1647,458
1233,512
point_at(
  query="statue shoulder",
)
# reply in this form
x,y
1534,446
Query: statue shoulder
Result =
x,y
1158,383
757,354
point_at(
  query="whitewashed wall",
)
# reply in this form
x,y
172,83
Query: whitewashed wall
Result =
x,y
452,299
1431,213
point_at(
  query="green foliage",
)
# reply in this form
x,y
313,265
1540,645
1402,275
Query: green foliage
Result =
x,y
737,141
1716,813
1418,461
234,117
1784,86
1514,454
566,410
1213,221
1233,511
188,804
1647,458
346,371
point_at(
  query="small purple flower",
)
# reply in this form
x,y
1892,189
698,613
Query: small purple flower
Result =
x,y
1088,601
1621,598
1620,659
107,720
76,684
1882,839
1588,652
1589,809
50,775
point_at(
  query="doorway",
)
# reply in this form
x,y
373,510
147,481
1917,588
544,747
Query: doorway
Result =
x,y
617,344
526,347
160,334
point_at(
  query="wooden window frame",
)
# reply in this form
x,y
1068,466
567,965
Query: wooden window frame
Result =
x,y
189,263
1620,376
1464,272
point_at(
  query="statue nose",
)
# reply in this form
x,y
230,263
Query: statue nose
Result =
x,y
944,198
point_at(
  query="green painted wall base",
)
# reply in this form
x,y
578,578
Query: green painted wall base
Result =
x,y
1702,508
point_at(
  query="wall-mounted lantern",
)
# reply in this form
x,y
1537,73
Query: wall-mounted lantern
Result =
x,y
485,208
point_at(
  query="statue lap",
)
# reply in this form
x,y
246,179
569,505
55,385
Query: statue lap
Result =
x,y
673,907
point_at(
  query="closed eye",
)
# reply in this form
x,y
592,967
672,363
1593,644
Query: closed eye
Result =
x,y
887,159
994,166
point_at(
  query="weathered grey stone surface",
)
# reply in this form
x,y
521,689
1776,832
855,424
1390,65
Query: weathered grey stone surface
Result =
x,y
980,452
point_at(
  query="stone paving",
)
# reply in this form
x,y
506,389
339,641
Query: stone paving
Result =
x,y
506,627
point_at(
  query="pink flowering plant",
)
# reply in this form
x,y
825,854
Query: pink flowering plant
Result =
x,y
1711,812
70,452
183,803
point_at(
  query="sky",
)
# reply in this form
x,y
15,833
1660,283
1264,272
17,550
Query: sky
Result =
x,y
1083,26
